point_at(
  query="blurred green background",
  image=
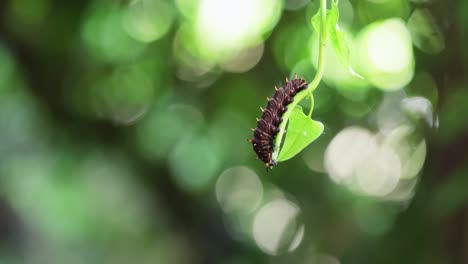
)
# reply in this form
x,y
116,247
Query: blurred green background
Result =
x,y
123,128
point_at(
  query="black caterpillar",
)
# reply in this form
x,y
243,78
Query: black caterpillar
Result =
x,y
268,125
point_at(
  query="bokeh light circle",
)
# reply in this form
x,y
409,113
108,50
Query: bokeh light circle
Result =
x,y
148,20
239,189
224,27
276,222
386,54
359,160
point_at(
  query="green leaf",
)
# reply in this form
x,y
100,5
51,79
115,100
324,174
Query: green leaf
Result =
x,y
301,131
315,21
337,36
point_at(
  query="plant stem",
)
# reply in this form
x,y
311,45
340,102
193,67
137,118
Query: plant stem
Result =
x,y
311,98
313,85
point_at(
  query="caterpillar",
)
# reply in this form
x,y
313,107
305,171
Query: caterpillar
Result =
x,y
268,125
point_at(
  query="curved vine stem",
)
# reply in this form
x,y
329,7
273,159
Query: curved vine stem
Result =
x,y
311,98
313,85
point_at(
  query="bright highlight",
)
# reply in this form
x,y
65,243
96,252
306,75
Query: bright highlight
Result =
x,y
388,46
224,26
386,54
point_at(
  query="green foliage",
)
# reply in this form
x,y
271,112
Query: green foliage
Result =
x,y
315,20
173,178
335,35
301,132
